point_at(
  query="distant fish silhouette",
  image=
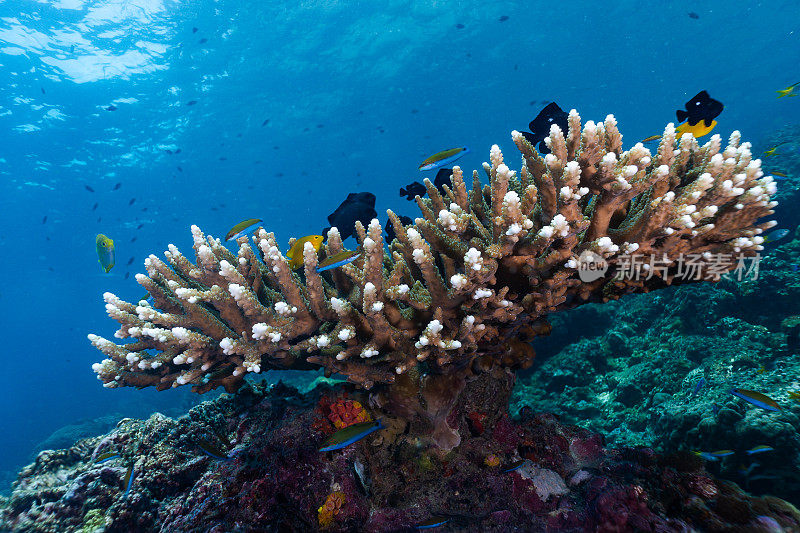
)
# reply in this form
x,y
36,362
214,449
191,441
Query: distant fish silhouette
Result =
x,y
88,188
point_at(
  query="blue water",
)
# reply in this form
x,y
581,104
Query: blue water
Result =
x,y
356,93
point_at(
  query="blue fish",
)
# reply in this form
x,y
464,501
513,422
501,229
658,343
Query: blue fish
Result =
x,y
746,471
337,260
761,448
213,451
129,475
347,436
106,457
698,386
443,158
756,398
776,235
514,466
722,453
708,456
432,522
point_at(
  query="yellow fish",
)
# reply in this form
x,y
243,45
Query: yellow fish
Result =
x,y
295,253
651,138
105,252
780,174
771,151
794,395
698,130
788,91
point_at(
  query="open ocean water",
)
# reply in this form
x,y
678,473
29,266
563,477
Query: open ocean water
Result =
x,y
139,118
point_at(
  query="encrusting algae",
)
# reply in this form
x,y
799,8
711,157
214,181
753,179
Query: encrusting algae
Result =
x,y
482,267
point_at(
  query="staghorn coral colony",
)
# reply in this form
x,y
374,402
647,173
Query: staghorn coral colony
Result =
x,y
480,269
428,335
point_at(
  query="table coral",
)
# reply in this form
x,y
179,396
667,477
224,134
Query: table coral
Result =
x,y
481,267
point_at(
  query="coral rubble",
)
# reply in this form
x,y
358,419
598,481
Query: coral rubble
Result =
x,y
277,480
480,268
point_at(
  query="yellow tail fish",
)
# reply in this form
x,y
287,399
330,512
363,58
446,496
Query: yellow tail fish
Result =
x,y
698,130
788,91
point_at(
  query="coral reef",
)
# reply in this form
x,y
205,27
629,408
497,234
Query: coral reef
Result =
x,y
632,375
478,270
277,480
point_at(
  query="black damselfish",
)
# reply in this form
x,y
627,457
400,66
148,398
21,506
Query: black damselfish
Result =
x,y
413,189
390,228
357,206
540,126
700,107
443,178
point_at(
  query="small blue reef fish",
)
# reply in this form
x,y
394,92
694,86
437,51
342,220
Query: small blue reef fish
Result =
x,y
443,158
106,457
761,448
722,453
432,522
756,398
337,260
128,480
213,450
746,471
516,465
708,456
347,436
776,235
698,386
